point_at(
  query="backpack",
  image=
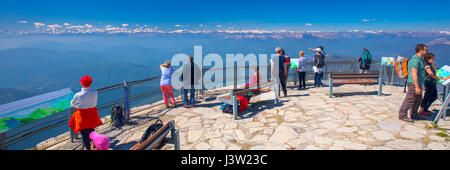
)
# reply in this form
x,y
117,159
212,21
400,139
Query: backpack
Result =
x,y
401,67
367,58
288,61
153,128
320,61
228,109
117,116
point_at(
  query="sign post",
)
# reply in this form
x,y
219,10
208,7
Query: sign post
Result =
x,y
387,62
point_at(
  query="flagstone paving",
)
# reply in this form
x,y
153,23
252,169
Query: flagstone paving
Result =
x,y
305,120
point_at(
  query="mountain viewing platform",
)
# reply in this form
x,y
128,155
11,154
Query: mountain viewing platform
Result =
x,y
354,118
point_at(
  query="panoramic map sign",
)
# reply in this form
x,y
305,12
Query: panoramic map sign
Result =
x,y
28,110
387,61
444,72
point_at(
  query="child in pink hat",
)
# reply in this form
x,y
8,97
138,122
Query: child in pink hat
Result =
x,y
99,141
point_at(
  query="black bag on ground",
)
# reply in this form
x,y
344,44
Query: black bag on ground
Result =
x,y
228,109
117,116
152,129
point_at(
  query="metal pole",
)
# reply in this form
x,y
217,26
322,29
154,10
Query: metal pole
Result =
x,y
2,141
235,104
235,77
380,86
127,102
70,129
330,80
174,133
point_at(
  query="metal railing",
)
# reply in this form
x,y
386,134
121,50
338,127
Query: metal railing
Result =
x,y
140,92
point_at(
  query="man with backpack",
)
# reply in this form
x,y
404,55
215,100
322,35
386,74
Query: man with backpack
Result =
x,y
365,61
318,67
416,77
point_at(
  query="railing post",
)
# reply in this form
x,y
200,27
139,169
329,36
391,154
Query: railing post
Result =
x,y
3,141
70,129
127,102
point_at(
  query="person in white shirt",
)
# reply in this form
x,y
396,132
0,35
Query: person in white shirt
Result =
x,y
86,117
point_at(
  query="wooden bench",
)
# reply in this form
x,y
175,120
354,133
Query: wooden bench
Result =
x,y
154,140
233,100
355,78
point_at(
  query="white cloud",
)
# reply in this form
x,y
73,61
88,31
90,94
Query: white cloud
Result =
x,y
54,26
66,24
308,24
219,26
124,25
201,25
365,20
88,25
22,22
38,24
178,25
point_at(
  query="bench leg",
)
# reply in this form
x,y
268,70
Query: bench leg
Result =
x,y
176,138
235,108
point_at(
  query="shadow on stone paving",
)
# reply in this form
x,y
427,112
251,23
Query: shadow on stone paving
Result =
x,y
254,110
357,94
124,146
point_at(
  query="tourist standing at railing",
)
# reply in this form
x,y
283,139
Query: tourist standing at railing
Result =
x,y
365,60
86,117
322,50
191,77
416,77
318,67
430,84
166,84
301,69
282,68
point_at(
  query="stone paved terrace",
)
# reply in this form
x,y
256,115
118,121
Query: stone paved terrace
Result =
x,y
305,120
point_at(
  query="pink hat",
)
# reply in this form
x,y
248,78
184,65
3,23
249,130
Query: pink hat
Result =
x,y
100,141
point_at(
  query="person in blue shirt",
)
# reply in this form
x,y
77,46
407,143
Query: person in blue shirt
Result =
x,y
301,69
166,84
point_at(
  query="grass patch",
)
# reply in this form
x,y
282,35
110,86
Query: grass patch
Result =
x,y
442,134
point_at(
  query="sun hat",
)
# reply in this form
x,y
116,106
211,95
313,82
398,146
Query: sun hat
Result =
x,y
101,141
86,81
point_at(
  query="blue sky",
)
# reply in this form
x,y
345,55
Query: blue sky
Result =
x,y
427,15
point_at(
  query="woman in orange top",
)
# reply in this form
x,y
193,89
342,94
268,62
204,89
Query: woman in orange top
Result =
x,y
86,117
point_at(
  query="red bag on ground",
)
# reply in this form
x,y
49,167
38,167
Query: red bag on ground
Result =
x,y
243,103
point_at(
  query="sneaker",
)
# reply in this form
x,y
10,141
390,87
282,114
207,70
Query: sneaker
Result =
x,y
186,106
416,117
424,113
406,119
192,106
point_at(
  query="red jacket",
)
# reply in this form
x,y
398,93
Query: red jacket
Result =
x,y
85,119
